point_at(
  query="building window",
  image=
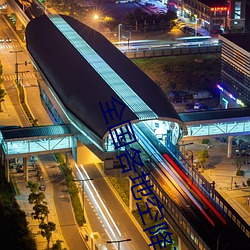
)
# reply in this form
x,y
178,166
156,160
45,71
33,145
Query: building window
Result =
x,y
237,10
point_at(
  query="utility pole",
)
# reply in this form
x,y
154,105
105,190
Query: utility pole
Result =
x,y
82,181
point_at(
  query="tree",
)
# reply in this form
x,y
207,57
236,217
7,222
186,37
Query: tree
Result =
x,y
2,91
41,212
238,162
2,94
202,157
46,230
58,245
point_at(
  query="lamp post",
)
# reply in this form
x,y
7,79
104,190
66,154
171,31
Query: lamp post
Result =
x,y
218,241
196,19
191,157
82,181
118,241
16,64
119,32
183,145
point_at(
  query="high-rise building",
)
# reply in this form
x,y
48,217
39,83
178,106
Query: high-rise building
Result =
x,y
235,70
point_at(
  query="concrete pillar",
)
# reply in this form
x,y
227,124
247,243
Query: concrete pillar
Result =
x,y
229,146
19,25
9,11
181,244
7,170
108,164
25,168
132,202
74,149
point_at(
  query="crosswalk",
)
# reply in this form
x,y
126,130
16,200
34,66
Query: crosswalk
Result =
x,y
22,77
5,46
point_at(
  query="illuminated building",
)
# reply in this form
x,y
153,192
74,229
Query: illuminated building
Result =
x,y
235,70
216,15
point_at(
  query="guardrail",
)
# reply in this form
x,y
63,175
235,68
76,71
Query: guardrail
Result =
x,y
19,12
206,188
173,51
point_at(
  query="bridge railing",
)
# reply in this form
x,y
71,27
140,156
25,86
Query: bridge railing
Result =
x,y
207,189
172,213
172,51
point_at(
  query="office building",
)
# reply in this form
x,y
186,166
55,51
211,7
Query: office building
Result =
x,y
235,70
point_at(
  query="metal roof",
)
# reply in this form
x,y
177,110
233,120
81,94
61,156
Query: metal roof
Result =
x,y
36,132
240,39
234,114
84,68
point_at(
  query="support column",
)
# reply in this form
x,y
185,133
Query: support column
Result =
x,y
132,203
25,168
19,25
7,170
9,11
229,146
108,164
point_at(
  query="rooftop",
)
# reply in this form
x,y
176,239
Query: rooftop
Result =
x,y
240,39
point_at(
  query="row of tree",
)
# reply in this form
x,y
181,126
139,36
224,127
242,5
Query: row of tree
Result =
x,y
41,213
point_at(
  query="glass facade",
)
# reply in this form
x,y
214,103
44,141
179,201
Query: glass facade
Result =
x,y
237,10
235,71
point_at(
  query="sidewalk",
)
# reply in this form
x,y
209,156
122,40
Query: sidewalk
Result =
x,y
22,200
220,169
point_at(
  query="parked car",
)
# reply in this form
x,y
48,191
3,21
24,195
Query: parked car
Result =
x,y
42,186
197,105
1,40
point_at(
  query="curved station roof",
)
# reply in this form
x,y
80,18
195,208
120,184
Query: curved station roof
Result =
x,y
84,68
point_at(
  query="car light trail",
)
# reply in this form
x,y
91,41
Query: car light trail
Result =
x,y
95,195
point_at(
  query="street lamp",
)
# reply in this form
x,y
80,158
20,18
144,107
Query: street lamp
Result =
x,y
118,241
196,20
183,145
191,156
96,18
119,32
16,64
83,180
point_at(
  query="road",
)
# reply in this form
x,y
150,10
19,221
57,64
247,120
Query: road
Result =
x,y
112,219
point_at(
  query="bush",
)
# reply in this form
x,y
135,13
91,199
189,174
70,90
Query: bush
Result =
x,y
248,182
240,173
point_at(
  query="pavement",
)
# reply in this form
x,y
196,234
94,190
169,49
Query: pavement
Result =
x,y
220,168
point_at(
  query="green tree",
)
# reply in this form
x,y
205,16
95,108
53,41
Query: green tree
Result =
x,y
46,230
238,162
2,94
41,212
202,157
33,186
58,245
2,91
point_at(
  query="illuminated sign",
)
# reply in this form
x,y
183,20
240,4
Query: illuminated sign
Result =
x,y
218,8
